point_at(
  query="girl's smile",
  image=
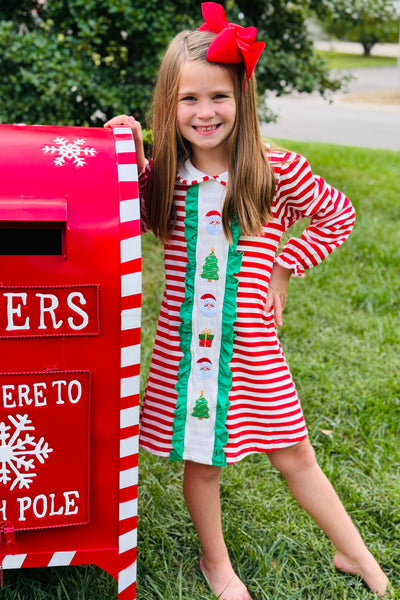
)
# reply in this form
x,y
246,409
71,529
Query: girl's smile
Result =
x,y
206,112
205,129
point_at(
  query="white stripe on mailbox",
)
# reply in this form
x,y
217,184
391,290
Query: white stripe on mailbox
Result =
x,y
129,210
129,386
60,559
130,249
127,577
131,284
129,416
14,561
127,541
123,130
130,318
127,172
130,356
127,510
129,446
128,478
124,146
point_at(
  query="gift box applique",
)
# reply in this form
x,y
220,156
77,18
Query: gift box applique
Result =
x,y
206,338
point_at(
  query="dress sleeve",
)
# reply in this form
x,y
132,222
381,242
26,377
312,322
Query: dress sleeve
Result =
x,y
143,179
301,194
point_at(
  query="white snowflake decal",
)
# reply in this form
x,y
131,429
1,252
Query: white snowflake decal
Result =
x,y
65,150
15,448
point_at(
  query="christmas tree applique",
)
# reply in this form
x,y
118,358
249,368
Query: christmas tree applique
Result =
x,y
210,268
201,407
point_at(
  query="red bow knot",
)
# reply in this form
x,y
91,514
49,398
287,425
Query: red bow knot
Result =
x,y
233,43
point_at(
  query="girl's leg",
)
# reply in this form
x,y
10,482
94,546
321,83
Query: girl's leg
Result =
x,y
202,497
313,491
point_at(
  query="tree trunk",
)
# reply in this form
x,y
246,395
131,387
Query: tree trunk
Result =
x,y
367,46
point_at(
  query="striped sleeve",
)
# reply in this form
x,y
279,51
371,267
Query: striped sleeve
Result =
x,y
300,194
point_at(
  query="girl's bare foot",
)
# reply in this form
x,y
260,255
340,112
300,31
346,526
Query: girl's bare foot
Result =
x,y
224,582
368,570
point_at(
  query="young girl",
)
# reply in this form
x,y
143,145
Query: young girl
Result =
x,y
219,387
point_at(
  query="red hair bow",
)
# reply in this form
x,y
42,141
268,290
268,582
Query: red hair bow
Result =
x,y
233,43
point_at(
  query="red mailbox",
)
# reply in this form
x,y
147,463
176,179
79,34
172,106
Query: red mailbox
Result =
x,y
70,288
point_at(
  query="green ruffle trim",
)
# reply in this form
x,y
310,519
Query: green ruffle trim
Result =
x,y
185,328
186,332
229,314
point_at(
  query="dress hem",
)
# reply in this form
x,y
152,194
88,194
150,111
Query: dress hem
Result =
x,y
230,460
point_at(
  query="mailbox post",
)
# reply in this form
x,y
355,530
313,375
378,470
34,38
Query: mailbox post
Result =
x,y
70,288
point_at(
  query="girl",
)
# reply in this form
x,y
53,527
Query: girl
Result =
x,y
219,387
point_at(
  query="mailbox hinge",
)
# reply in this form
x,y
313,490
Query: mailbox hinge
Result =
x,y
8,544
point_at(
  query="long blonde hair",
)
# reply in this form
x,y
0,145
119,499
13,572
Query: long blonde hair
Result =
x,y
251,182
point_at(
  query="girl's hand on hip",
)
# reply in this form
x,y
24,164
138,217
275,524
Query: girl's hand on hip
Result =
x,y
135,126
276,297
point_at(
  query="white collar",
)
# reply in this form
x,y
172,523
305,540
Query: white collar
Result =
x,y
189,175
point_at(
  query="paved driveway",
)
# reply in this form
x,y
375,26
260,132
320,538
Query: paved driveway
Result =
x,y
309,117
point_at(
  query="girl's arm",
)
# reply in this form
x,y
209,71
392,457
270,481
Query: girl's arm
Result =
x,y
301,194
137,136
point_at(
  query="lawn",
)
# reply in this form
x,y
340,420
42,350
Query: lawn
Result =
x,y
341,337
341,60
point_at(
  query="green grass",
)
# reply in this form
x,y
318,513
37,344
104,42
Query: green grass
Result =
x,y
341,60
342,340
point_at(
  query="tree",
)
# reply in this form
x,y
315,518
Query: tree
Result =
x,y
78,62
288,62
210,267
200,409
365,21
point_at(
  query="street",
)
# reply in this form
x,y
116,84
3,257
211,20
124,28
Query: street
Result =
x,y
341,121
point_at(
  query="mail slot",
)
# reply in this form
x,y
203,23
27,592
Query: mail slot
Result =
x,y
32,226
70,289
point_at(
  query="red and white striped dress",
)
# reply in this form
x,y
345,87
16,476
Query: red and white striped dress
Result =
x,y
264,411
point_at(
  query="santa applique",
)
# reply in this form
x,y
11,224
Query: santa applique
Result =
x,y
213,221
208,305
204,368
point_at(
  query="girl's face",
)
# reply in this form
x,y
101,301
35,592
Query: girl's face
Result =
x,y
206,113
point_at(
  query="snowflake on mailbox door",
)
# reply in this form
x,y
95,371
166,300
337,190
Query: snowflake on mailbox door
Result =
x,y
18,451
65,150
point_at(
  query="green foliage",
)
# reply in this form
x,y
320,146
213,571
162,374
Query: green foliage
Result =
x,y
78,62
364,21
